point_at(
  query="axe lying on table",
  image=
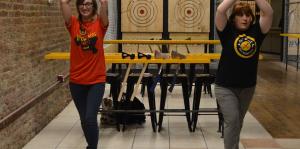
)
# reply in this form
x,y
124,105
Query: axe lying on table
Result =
x,y
158,55
175,54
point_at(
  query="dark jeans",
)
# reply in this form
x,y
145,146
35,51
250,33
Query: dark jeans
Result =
x,y
87,99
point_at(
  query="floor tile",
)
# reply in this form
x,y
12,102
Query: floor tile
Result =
x,y
259,143
289,143
64,132
154,141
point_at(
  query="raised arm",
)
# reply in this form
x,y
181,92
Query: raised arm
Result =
x,y
221,17
266,16
104,12
66,10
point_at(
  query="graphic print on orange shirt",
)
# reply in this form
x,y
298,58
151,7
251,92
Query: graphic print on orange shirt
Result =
x,y
86,40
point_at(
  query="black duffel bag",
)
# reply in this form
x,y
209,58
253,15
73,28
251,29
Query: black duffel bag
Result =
x,y
131,117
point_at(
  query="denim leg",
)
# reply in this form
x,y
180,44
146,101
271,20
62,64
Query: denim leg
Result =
x,y
94,99
87,99
79,94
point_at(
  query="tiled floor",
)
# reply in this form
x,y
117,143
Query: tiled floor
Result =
x,y
64,132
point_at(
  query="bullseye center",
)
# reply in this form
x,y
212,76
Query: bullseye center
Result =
x,y
189,12
142,11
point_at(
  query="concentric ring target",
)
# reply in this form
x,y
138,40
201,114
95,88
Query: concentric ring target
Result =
x,y
189,13
142,13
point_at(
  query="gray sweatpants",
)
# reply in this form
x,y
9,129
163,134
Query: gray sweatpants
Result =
x,y
234,103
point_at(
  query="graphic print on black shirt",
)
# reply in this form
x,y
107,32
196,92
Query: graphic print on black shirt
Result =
x,y
245,46
87,41
239,58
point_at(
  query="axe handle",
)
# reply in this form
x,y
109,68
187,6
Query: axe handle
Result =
x,y
159,47
124,83
157,78
150,48
136,86
187,48
174,78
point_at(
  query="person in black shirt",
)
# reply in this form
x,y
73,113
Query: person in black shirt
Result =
x,y
241,38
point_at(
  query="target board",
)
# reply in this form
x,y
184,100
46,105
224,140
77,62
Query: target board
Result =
x,y
294,18
142,16
189,15
294,21
133,48
192,47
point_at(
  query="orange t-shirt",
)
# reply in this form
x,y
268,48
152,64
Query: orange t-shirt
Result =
x,y
87,63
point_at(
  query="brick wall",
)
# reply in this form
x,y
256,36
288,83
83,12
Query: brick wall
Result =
x,y
18,133
29,29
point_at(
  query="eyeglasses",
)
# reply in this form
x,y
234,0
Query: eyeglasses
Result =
x,y
87,5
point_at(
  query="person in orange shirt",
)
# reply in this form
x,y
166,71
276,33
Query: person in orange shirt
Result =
x,y
87,63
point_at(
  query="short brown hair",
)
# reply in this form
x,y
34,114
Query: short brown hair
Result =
x,y
241,8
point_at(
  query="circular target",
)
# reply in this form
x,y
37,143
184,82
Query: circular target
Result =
x,y
189,13
142,13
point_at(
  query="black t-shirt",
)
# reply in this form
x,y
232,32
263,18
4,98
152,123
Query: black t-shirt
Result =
x,y
239,58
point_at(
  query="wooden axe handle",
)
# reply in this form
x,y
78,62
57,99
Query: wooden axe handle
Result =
x,y
124,83
136,86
